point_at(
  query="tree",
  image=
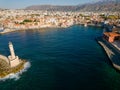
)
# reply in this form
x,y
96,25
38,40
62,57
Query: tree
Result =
x,y
27,20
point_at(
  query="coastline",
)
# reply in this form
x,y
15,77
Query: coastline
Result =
x,y
24,29
8,30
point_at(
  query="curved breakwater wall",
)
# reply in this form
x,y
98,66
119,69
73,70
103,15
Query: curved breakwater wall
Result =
x,y
112,55
2,57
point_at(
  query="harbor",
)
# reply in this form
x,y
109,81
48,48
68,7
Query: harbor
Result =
x,y
60,45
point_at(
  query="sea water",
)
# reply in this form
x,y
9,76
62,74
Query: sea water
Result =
x,y
61,59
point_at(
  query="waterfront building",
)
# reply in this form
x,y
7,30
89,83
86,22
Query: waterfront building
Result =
x,y
111,36
29,19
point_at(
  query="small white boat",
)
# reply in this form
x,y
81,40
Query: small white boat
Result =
x,y
85,24
1,28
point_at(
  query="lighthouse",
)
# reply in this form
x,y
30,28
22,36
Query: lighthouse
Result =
x,y
13,60
11,50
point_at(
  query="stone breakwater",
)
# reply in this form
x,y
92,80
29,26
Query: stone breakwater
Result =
x,y
111,54
12,64
13,73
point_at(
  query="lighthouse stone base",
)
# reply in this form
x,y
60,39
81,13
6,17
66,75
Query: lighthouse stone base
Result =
x,y
14,62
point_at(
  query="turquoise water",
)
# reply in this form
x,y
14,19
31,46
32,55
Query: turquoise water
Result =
x,y
61,59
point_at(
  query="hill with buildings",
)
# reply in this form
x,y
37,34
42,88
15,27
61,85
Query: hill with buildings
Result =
x,y
102,5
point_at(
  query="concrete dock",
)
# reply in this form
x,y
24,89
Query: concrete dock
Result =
x,y
111,53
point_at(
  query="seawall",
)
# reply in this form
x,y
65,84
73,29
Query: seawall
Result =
x,y
111,54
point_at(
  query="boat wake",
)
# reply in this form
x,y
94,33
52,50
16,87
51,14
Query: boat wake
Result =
x,y
16,76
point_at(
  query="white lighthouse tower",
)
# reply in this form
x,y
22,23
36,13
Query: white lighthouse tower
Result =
x,y
13,60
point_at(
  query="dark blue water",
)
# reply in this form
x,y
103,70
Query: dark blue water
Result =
x,y
61,59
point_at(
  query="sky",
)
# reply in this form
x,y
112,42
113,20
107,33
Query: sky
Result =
x,y
19,4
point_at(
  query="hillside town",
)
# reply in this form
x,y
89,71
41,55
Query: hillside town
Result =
x,y
11,20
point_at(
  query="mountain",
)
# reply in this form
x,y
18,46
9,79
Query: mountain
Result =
x,y
52,8
101,5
